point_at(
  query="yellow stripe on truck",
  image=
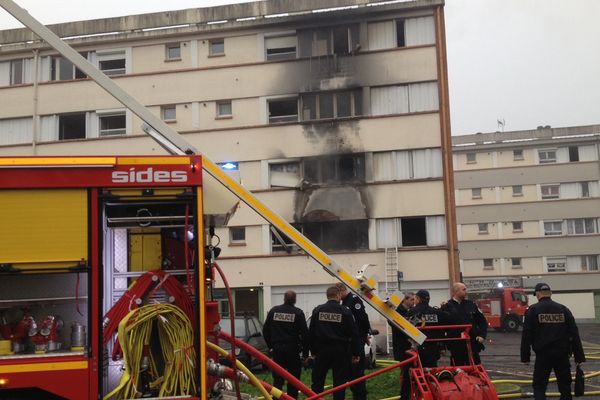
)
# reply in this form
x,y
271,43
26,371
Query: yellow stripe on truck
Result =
x,y
40,367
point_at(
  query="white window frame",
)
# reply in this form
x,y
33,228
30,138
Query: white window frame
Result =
x,y
283,162
284,118
110,55
545,159
168,47
483,228
516,263
233,241
476,193
515,229
518,155
281,56
517,190
553,231
111,132
218,109
488,261
590,263
471,158
587,229
164,110
212,42
550,188
556,264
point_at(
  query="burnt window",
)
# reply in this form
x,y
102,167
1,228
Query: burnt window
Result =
x,y
339,235
280,47
283,110
327,105
282,243
335,169
414,232
71,126
339,40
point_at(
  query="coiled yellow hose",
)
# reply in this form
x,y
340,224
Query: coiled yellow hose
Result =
x,y
177,347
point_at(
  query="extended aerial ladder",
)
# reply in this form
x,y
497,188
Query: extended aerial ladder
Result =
x,y
175,144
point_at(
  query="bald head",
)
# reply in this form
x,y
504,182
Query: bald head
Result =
x,y
459,291
289,297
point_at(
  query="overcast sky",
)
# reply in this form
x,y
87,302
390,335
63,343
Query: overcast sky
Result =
x,y
527,62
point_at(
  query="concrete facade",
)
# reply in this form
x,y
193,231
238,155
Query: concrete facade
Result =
x,y
336,113
528,205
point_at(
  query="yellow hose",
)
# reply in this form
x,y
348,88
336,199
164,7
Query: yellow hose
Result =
x,y
245,370
177,346
524,381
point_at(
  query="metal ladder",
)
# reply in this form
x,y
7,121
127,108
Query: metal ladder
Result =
x,y
391,286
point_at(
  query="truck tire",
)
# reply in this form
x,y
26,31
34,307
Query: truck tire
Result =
x,y
511,323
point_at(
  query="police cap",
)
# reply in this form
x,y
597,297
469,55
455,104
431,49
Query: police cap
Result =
x,y
541,287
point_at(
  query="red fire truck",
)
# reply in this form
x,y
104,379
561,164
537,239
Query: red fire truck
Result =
x,y
504,308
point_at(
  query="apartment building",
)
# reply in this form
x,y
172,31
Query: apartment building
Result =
x,y
334,112
528,205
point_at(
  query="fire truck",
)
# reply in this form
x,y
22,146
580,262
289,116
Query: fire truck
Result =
x,y
108,267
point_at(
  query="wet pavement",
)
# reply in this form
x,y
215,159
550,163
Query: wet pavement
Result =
x,y
501,358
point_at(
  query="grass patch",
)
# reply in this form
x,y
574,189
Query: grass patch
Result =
x,y
379,387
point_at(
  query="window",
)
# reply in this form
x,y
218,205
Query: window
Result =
x,y
518,154
331,105
64,70
411,231
335,169
283,110
16,72
556,264
284,174
112,63
517,190
471,158
589,263
112,124
168,113
488,263
482,228
237,235
173,51
517,226
338,235
407,164
516,263
216,47
224,109
547,156
400,36
585,189
553,228
476,193
401,33
402,99
281,243
573,153
550,192
71,126
280,47
581,226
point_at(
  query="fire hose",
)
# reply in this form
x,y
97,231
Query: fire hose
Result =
x,y
176,346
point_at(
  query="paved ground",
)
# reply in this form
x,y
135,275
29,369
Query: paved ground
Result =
x,y
502,360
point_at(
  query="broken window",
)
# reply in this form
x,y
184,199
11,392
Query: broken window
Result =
x,y
280,47
282,243
112,123
347,103
71,126
284,174
335,169
283,110
338,235
64,70
413,231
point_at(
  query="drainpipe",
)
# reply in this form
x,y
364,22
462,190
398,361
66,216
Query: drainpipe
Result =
x,y
35,126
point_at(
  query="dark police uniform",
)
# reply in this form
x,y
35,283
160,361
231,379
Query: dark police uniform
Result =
x,y
424,315
333,341
465,313
401,343
286,333
355,304
549,328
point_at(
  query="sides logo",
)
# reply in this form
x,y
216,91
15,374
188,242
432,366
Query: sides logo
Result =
x,y
148,176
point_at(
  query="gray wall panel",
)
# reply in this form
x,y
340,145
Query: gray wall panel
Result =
x,y
542,210
555,173
535,247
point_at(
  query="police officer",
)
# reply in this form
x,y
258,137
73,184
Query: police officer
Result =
x,y
333,342
422,314
286,334
549,328
401,343
355,304
462,311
